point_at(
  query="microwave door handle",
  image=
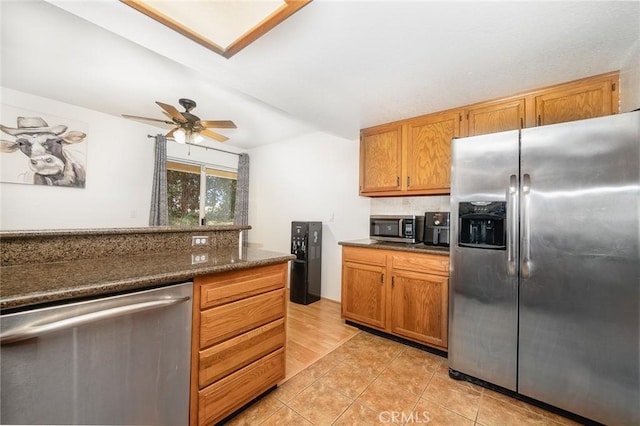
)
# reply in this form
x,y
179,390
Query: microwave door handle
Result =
x,y
512,225
400,227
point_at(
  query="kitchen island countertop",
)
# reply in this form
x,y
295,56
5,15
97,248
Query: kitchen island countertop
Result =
x,y
30,284
384,245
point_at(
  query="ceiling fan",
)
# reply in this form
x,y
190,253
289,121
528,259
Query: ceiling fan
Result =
x,y
188,127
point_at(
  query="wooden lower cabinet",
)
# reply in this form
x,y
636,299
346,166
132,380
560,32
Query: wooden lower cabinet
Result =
x,y
419,307
402,293
363,300
239,334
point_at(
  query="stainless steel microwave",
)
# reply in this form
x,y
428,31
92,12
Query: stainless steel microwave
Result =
x,y
400,229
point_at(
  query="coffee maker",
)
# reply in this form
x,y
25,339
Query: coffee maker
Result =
x,y
436,229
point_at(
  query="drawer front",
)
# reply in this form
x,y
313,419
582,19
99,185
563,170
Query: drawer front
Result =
x,y
230,320
364,255
227,395
233,354
422,263
227,287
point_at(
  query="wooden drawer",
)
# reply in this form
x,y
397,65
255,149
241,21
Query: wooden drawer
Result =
x,y
230,320
364,255
226,395
233,354
219,289
433,264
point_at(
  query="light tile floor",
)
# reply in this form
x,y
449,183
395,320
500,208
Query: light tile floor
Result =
x,y
371,380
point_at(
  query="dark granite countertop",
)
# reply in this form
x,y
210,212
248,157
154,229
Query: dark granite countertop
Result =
x,y
384,245
120,231
29,284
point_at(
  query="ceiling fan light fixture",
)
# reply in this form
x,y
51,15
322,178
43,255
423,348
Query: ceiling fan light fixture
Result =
x,y
187,128
196,138
180,136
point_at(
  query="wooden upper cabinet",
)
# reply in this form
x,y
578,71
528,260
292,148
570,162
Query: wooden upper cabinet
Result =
x,y
493,117
577,101
429,152
380,159
412,156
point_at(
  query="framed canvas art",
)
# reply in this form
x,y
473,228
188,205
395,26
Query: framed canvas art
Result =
x,y
42,149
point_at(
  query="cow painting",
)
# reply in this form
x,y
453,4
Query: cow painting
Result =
x,y
44,148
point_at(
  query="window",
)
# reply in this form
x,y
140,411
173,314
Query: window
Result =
x,y
198,194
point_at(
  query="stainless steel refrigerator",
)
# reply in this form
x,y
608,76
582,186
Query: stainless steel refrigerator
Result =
x,y
545,265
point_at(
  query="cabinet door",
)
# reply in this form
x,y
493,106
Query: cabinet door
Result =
x,y
380,159
363,293
575,102
429,153
419,307
496,117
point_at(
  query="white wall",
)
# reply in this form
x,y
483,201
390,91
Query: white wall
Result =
x,y
119,169
630,80
314,177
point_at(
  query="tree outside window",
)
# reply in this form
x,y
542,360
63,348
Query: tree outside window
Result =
x,y
200,195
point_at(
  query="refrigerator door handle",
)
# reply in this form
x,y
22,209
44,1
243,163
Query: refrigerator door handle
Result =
x,y
512,231
525,268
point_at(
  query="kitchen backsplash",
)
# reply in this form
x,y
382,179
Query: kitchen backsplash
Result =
x,y
410,205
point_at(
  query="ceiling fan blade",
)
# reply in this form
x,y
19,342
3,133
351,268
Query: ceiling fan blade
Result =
x,y
220,124
213,135
173,112
155,120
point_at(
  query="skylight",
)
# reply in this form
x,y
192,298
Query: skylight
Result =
x,y
224,26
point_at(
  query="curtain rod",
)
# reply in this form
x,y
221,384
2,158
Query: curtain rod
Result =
x,y
201,146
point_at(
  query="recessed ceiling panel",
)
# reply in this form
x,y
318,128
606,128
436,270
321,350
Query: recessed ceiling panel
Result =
x,y
224,26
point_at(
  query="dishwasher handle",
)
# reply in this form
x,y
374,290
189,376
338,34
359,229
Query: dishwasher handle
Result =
x,y
33,331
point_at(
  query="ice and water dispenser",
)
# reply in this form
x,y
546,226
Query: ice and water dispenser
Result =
x,y
306,245
483,225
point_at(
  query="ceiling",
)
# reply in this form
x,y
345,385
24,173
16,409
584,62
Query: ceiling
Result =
x,y
334,66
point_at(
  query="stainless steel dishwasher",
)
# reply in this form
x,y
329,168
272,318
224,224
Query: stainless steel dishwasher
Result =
x,y
116,360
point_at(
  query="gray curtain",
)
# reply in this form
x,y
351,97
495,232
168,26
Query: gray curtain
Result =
x,y
241,212
159,214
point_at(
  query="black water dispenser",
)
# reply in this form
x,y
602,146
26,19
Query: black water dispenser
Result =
x,y
306,245
483,225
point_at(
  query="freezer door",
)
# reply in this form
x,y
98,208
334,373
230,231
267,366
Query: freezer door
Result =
x,y
483,292
579,289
